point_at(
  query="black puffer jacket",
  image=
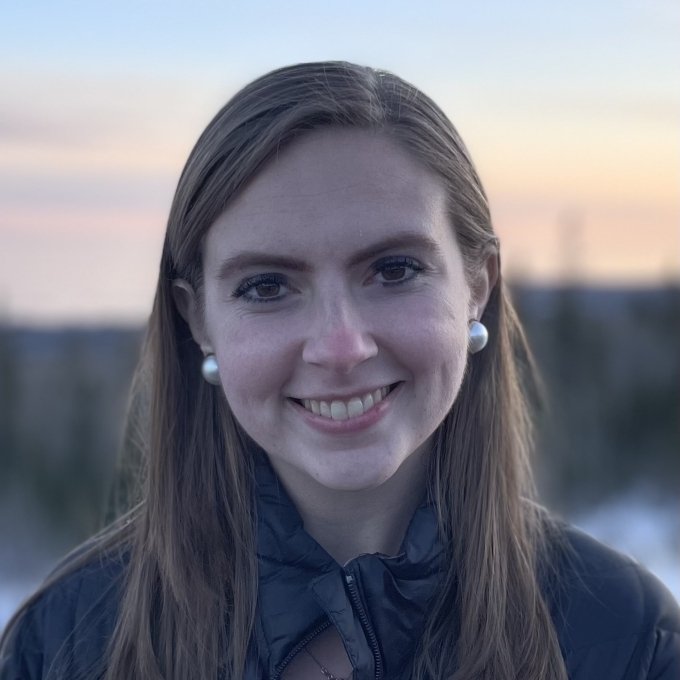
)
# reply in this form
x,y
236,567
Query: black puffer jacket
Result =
x,y
614,620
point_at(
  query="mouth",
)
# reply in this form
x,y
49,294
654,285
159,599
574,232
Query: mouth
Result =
x,y
346,410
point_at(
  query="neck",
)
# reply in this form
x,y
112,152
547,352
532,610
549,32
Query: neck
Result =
x,y
351,523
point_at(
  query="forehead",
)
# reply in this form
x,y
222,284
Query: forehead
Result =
x,y
330,192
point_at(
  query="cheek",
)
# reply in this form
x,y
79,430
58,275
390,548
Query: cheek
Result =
x,y
434,347
254,367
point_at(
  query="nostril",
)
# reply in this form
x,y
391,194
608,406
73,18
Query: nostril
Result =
x,y
339,347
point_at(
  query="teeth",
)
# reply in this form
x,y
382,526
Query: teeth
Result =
x,y
355,407
339,410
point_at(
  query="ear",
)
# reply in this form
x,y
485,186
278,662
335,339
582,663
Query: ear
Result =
x,y
188,307
484,283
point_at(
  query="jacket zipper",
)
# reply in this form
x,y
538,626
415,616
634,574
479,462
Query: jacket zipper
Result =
x,y
366,624
298,648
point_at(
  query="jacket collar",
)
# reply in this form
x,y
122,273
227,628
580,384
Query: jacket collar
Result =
x,y
301,585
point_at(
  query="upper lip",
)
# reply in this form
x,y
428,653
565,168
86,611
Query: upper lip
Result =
x,y
361,392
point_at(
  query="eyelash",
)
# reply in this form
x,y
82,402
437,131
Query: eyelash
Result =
x,y
260,279
385,264
398,262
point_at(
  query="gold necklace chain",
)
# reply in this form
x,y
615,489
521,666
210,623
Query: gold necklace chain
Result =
x,y
324,670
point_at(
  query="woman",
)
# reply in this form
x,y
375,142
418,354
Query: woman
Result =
x,y
337,482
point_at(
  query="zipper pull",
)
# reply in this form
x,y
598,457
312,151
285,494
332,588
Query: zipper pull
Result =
x,y
349,578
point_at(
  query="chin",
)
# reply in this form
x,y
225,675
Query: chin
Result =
x,y
352,475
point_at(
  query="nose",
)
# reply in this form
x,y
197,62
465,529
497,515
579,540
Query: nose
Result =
x,y
337,338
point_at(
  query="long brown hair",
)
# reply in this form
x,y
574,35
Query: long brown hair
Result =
x,y
191,587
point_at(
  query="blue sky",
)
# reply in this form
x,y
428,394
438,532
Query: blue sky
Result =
x,y
566,107
579,43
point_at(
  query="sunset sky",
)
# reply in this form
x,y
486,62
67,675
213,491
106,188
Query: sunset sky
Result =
x,y
570,110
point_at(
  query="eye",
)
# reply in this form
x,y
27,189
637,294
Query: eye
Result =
x,y
397,270
261,288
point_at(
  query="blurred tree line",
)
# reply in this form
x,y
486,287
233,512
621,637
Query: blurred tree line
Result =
x,y
63,396
610,360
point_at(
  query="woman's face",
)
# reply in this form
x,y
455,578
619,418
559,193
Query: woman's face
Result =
x,y
334,276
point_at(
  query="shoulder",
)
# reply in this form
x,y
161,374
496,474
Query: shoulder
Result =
x,y
614,618
65,627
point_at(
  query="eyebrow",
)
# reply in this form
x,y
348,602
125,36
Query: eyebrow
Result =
x,y
241,261
399,240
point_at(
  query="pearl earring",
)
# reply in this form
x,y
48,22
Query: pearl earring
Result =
x,y
210,370
479,336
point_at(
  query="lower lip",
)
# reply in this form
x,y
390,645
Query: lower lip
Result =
x,y
350,425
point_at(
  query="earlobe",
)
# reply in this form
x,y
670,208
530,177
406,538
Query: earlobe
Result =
x,y
185,299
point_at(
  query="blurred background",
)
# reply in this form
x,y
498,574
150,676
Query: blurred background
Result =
x,y
570,110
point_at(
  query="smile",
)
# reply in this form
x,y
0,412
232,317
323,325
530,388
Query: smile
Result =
x,y
346,410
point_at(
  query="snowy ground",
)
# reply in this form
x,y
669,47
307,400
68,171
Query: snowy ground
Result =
x,y
647,531
636,525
